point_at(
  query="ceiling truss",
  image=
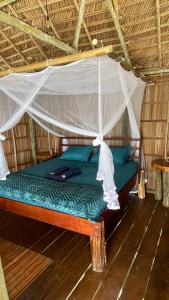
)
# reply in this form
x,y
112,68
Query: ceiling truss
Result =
x,y
139,37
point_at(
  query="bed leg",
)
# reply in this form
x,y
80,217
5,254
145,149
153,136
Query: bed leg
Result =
x,y
98,250
141,186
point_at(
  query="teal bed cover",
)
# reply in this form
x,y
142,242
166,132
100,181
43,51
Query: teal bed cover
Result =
x,y
80,195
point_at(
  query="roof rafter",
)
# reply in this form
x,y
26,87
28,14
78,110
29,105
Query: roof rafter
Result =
x,y
49,20
24,27
6,2
118,29
158,31
79,24
85,26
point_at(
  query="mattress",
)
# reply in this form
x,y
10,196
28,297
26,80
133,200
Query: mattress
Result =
x,y
80,196
89,171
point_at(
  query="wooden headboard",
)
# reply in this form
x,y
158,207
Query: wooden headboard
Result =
x,y
85,140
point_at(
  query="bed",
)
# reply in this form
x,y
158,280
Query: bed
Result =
x,y
75,204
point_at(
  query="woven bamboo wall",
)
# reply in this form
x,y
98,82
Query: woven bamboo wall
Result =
x,y
45,141
17,146
155,111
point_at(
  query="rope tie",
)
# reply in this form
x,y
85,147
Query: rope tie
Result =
x,y
97,141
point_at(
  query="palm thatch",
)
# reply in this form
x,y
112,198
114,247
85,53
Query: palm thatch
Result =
x,y
35,30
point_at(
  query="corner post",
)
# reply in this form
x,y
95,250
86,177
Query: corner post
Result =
x,y
33,141
98,250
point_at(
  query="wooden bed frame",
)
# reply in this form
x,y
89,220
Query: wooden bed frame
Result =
x,y
95,230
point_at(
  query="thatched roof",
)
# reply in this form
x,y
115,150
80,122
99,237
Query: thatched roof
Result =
x,y
137,29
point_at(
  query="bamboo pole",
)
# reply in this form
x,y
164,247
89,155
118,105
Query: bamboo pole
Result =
x,y
60,60
49,20
118,29
74,57
85,26
79,24
157,3
33,142
28,29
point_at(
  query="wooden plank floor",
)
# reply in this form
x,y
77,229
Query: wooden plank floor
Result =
x,y
138,256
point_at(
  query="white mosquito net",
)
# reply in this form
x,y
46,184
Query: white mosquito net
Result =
x,y
87,97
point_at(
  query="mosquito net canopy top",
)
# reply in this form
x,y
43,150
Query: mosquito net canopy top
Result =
x,y
87,97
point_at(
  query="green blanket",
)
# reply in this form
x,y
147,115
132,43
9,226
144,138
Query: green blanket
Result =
x,y
80,200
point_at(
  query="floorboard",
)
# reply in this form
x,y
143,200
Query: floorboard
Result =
x,y
138,251
92,281
158,284
144,257
119,266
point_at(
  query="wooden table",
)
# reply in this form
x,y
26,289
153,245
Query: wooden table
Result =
x,y
161,166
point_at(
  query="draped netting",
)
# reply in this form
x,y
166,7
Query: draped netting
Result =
x,y
87,97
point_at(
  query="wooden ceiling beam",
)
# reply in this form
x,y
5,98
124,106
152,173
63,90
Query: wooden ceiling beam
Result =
x,y
79,22
28,29
118,29
157,4
6,2
49,20
60,60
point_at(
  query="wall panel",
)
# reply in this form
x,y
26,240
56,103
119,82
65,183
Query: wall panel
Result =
x,y
155,112
17,146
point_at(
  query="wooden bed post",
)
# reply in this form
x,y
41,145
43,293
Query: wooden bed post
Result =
x,y
98,250
60,145
141,186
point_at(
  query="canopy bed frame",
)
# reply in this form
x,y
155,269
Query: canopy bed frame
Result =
x,y
95,230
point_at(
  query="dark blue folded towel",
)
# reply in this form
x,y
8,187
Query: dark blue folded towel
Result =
x,y
66,174
57,172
